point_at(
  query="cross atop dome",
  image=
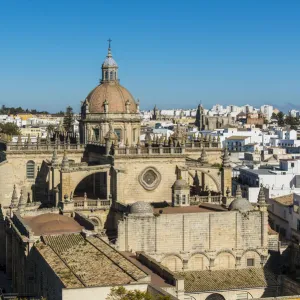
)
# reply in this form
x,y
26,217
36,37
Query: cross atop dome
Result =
x,y
109,41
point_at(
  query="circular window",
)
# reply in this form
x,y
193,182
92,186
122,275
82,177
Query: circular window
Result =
x,y
150,179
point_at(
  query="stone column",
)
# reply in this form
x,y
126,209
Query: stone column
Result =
x,y
94,184
108,192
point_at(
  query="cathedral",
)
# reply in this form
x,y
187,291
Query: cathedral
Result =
x,y
131,196
207,122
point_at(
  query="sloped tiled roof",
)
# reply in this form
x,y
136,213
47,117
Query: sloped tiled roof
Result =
x,y
200,281
81,262
285,200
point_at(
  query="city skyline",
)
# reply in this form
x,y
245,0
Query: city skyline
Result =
x,y
174,56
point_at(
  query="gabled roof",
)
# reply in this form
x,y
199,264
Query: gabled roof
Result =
x,y
82,262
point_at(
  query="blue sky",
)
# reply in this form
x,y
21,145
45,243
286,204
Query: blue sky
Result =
x,y
170,53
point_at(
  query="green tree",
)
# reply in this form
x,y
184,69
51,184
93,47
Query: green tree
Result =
x,y
61,113
50,128
68,119
120,293
292,121
10,129
280,118
274,116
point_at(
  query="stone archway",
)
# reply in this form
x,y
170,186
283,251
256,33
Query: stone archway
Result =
x,y
96,221
93,185
215,296
71,179
198,261
172,262
224,260
212,173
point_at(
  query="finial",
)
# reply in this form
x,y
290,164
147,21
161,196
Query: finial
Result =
x,y
203,158
22,201
65,161
14,198
109,41
225,158
54,157
238,193
261,196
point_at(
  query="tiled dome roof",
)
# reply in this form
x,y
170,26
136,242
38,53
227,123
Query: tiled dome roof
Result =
x,y
109,62
51,223
180,184
240,204
116,96
141,207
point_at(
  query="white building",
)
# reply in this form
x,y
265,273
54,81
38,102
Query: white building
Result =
x,y
279,181
286,134
294,113
284,215
274,142
267,110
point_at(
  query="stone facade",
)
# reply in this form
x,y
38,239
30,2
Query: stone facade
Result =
x,y
206,122
214,240
13,171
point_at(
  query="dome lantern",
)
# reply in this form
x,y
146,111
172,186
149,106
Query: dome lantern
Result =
x,y
181,193
109,67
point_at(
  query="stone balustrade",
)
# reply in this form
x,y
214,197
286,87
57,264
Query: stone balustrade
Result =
x,y
87,203
196,200
156,148
15,146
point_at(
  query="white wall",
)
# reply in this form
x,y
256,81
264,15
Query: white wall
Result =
x,y
229,295
97,293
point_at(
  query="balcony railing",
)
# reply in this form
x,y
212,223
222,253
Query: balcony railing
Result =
x,y
91,203
196,200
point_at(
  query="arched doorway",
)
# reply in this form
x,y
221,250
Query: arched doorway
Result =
x,y
94,185
215,296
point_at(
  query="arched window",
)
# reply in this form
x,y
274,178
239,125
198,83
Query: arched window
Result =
x,y
215,297
106,75
118,132
111,75
30,168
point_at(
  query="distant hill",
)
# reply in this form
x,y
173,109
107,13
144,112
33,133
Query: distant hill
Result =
x,y
286,107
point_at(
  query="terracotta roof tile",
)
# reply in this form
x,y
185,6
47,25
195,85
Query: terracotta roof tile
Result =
x,y
200,281
286,200
87,262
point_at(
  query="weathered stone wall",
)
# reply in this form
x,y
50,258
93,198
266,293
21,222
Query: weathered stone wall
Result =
x,y
213,154
41,279
216,240
129,188
13,171
226,180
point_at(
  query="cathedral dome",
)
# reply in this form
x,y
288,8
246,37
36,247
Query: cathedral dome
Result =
x,y
240,204
117,97
110,96
141,207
